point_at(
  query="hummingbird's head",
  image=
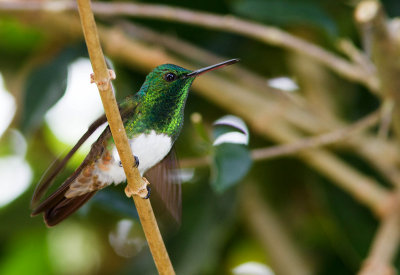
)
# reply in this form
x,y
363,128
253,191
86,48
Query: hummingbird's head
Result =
x,y
174,81
163,95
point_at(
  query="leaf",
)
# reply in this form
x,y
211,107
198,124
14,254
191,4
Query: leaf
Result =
x,y
230,129
286,12
45,86
231,163
231,157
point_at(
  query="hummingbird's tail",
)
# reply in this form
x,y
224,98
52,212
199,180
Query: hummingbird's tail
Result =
x,y
57,207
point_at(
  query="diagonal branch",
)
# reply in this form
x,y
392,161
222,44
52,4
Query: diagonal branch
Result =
x,y
103,82
295,147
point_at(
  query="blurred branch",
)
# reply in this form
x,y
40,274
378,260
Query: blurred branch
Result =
x,y
357,56
135,181
386,118
295,147
385,51
384,245
285,256
317,141
263,33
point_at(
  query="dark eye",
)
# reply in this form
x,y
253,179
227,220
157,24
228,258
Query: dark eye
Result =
x,y
170,77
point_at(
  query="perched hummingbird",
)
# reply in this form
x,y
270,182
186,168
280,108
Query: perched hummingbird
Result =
x,y
153,119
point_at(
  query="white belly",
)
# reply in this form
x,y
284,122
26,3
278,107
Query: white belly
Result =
x,y
150,149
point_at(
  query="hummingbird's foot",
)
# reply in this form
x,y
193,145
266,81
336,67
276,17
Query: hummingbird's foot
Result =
x,y
136,161
143,191
148,192
111,73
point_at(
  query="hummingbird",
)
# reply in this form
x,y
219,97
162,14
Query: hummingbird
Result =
x,y
152,118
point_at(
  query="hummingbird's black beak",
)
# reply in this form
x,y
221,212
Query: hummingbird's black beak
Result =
x,y
212,67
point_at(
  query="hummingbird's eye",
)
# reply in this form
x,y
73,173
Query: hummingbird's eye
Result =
x,y
169,77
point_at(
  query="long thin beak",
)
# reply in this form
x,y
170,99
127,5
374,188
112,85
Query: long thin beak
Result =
x,y
212,67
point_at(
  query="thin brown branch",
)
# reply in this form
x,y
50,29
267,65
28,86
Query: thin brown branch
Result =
x,y
134,179
385,52
357,56
301,145
386,118
266,34
384,245
317,141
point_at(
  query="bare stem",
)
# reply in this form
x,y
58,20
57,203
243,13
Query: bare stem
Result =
x,y
384,245
134,179
377,37
295,147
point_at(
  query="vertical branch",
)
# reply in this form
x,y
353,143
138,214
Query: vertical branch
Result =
x,y
103,81
385,52
384,246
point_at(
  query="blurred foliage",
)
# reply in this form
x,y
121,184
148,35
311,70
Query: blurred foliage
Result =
x,y
45,85
332,229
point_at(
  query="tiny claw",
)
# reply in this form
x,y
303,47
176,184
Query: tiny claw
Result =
x,y
136,161
148,192
143,191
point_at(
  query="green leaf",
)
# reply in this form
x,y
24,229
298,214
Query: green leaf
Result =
x,y
231,163
45,86
286,13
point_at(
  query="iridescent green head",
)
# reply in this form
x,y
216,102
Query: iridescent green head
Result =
x,y
163,96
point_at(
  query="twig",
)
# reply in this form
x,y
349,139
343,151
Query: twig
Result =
x,y
303,144
134,179
265,34
317,141
372,21
384,246
386,118
357,56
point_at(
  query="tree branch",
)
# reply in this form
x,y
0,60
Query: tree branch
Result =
x,y
134,179
384,245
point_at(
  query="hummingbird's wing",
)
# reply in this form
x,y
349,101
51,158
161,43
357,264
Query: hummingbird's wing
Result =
x,y
57,207
167,193
127,107
58,165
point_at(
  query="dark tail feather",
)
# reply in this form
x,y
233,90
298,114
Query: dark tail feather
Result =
x,y
57,207
58,165
64,208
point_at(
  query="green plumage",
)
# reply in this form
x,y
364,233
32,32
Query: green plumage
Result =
x,y
160,103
